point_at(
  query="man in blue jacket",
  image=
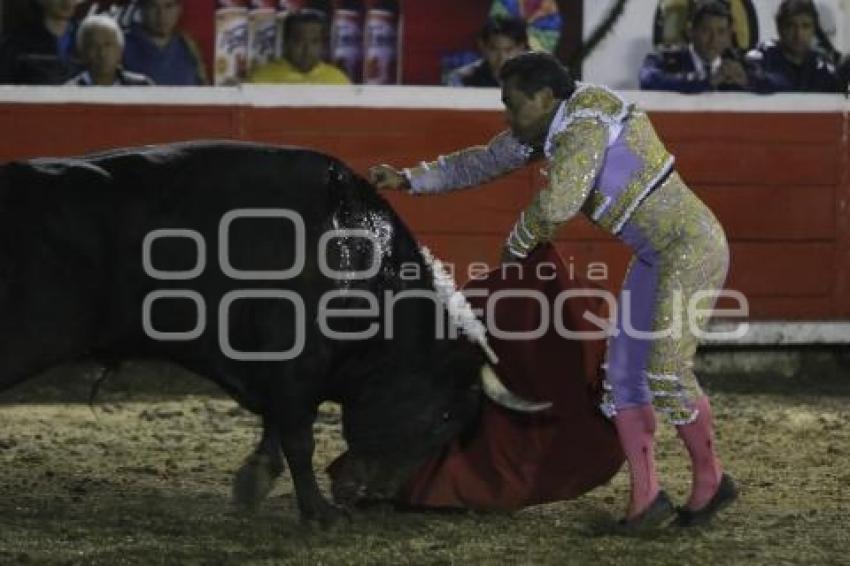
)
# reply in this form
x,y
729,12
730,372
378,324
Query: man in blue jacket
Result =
x,y
157,48
708,63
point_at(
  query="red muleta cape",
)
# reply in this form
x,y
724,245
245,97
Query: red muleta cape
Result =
x,y
511,460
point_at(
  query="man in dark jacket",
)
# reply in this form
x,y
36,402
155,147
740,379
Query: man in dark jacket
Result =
x,y
792,64
708,63
42,52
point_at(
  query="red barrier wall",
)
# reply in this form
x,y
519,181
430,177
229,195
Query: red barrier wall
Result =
x,y
779,182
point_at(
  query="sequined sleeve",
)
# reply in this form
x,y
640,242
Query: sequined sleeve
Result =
x,y
573,168
469,167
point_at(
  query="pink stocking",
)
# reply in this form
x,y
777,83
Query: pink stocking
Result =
x,y
636,429
698,437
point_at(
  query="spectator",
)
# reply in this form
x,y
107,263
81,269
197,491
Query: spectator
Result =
x,y
792,64
100,43
304,41
500,39
708,63
157,49
41,52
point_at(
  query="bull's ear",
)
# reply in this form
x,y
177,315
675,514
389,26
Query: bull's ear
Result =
x,y
496,391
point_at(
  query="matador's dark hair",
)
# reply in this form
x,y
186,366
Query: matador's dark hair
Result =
x,y
537,70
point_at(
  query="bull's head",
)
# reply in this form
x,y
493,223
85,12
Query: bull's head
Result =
x,y
407,415
426,389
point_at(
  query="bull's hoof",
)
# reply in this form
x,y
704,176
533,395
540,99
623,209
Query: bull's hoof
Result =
x,y
326,516
254,480
346,492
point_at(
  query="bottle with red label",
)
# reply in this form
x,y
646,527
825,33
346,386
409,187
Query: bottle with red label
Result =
x,y
381,43
347,38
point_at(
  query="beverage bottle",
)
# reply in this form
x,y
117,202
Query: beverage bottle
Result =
x,y
231,41
347,38
262,32
381,43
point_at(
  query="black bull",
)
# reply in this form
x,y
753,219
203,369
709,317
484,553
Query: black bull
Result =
x,y
169,252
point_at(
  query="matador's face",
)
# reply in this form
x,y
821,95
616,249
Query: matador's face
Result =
x,y
528,115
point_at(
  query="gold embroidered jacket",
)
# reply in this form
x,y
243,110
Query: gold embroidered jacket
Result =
x,y
603,159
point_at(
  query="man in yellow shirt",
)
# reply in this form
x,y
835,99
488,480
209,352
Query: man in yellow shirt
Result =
x,y
304,41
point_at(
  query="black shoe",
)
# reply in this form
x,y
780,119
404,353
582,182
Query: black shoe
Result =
x,y
659,513
727,492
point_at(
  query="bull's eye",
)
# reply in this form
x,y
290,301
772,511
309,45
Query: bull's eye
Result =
x,y
446,415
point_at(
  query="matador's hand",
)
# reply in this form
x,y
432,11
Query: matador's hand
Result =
x,y
387,177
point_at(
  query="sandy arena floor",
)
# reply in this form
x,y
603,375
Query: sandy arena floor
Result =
x,y
145,479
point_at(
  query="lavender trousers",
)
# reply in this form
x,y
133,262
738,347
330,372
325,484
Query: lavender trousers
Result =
x,y
680,261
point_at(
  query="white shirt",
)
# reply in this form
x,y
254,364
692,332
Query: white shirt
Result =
x,y
699,63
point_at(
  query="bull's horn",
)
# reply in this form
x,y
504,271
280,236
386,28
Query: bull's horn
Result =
x,y
499,394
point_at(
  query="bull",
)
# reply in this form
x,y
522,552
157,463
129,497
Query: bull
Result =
x,y
216,256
